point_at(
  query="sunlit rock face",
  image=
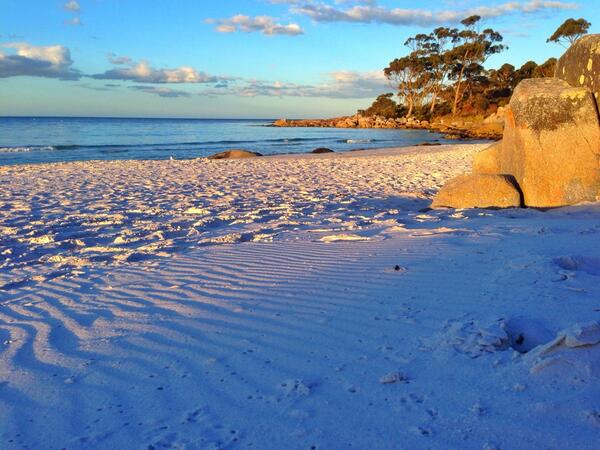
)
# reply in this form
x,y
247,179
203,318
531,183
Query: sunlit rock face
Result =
x,y
580,65
478,191
551,141
488,161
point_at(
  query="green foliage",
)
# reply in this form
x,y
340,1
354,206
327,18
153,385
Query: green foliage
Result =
x,y
383,106
546,69
444,72
409,75
465,59
445,65
570,31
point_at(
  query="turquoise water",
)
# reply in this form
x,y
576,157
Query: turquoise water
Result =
x,y
25,140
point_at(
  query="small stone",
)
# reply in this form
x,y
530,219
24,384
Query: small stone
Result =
x,y
234,154
322,150
394,377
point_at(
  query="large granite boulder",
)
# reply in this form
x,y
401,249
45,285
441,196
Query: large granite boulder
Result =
x,y
487,161
551,143
497,117
478,191
580,65
364,122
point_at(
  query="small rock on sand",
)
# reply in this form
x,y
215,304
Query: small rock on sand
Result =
x,y
394,377
234,154
322,150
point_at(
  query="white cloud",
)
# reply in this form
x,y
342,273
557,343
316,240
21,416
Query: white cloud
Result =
x,y
340,84
118,60
161,91
75,21
142,72
371,12
29,60
72,5
262,24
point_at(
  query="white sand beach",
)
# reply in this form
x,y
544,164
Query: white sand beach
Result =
x,y
291,302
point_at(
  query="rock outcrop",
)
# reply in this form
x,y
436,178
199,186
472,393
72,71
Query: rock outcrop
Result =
x,y
478,191
234,154
497,117
490,128
580,65
551,142
487,161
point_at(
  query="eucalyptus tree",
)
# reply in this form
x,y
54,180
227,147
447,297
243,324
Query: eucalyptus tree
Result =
x,y
570,31
409,75
471,48
384,105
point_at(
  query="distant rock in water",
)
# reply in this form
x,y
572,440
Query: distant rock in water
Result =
x,y
322,150
551,143
428,144
234,154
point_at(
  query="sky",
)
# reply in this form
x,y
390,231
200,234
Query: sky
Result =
x,y
237,58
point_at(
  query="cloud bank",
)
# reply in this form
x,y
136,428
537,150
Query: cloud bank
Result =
x,y
161,91
371,12
142,72
28,60
339,85
55,62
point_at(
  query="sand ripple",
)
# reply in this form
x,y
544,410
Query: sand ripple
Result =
x,y
59,219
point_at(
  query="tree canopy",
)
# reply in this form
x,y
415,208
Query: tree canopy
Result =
x,y
446,59
444,72
383,106
570,31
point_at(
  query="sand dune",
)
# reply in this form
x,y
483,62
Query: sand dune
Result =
x,y
360,321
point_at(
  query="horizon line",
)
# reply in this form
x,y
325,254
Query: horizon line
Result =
x,y
133,117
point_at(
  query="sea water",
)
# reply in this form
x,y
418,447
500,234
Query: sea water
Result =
x,y
25,140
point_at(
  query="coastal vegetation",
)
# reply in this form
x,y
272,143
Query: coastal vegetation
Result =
x,y
442,84
444,72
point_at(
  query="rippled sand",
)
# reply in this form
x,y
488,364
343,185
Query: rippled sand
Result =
x,y
292,302
58,218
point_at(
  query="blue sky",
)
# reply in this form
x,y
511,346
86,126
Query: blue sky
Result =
x,y
236,58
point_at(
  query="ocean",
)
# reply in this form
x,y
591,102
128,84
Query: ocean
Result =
x,y
26,140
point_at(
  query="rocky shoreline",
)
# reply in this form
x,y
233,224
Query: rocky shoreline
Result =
x,y
452,128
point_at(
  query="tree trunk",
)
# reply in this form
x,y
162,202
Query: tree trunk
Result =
x,y
459,82
457,90
433,102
